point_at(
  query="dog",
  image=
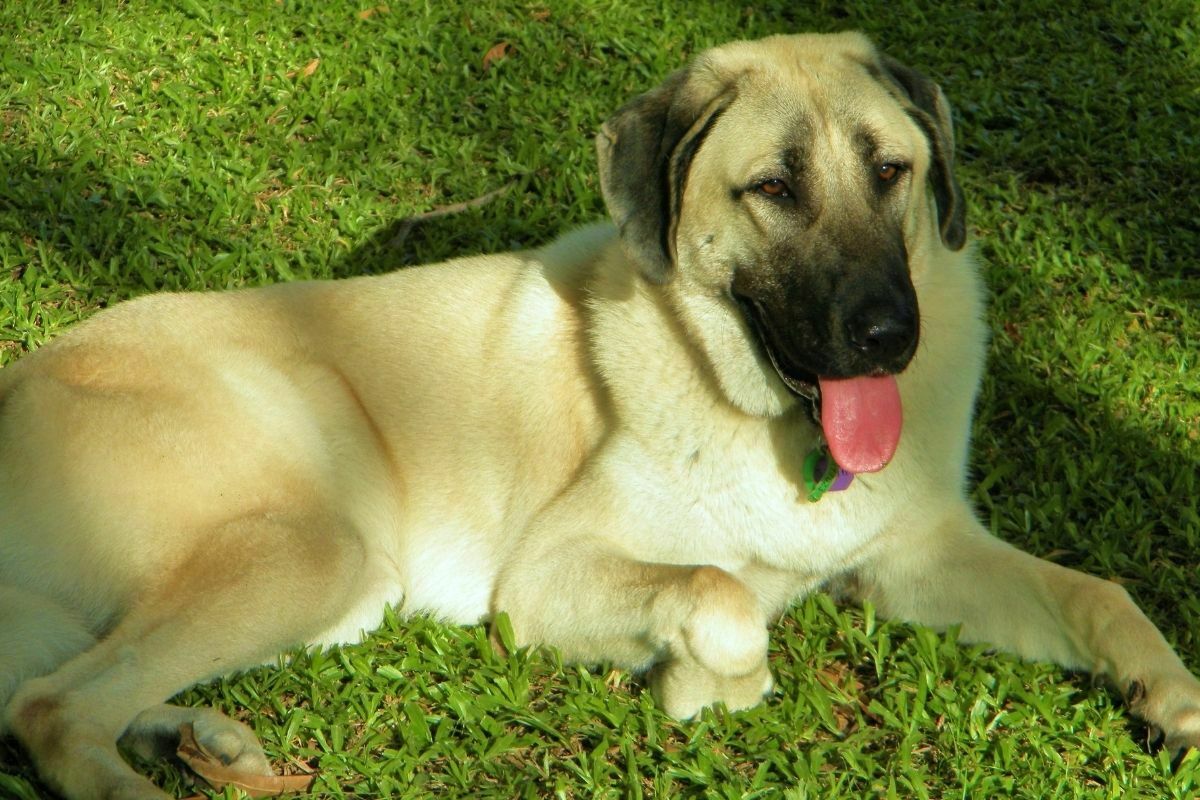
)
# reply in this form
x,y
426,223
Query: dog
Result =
x,y
755,382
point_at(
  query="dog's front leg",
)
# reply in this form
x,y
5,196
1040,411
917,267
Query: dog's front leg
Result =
x,y
959,574
570,585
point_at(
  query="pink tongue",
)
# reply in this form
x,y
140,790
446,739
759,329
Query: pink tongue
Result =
x,y
861,418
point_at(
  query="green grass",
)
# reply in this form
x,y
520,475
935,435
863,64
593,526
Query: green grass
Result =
x,y
148,146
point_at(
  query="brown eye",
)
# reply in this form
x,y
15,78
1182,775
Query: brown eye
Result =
x,y
888,172
775,188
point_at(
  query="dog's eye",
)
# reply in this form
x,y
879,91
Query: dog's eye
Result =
x,y
889,172
775,188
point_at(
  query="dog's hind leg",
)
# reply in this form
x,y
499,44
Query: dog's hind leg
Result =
x,y
229,606
36,636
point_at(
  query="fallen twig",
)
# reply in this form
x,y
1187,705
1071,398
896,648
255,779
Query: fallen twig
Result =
x,y
406,225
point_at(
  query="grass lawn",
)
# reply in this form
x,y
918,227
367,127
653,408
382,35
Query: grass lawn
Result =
x,y
206,145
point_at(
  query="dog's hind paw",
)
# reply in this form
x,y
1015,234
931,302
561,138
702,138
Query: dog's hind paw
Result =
x,y
231,743
156,733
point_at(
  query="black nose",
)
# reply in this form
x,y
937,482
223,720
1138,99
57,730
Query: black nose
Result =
x,y
886,335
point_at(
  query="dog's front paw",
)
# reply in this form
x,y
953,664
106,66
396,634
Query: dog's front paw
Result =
x,y
1172,708
724,629
716,636
683,687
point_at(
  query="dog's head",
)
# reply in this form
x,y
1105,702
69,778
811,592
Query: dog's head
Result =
x,y
784,191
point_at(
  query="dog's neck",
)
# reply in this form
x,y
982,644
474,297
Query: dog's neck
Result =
x,y
644,348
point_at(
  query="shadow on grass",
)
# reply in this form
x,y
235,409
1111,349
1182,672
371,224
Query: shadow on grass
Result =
x,y
103,235
491,227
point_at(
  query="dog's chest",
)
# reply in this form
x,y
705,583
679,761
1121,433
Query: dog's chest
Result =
x,y
737,498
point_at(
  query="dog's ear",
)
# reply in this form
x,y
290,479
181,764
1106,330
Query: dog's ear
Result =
x,y
932,113
645,150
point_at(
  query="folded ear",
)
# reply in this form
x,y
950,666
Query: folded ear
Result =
x,y
932,112
645,150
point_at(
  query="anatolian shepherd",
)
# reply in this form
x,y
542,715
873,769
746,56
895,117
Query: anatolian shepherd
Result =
x,y
621,440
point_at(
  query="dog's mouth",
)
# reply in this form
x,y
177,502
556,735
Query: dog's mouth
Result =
x,y
860,415
799,381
